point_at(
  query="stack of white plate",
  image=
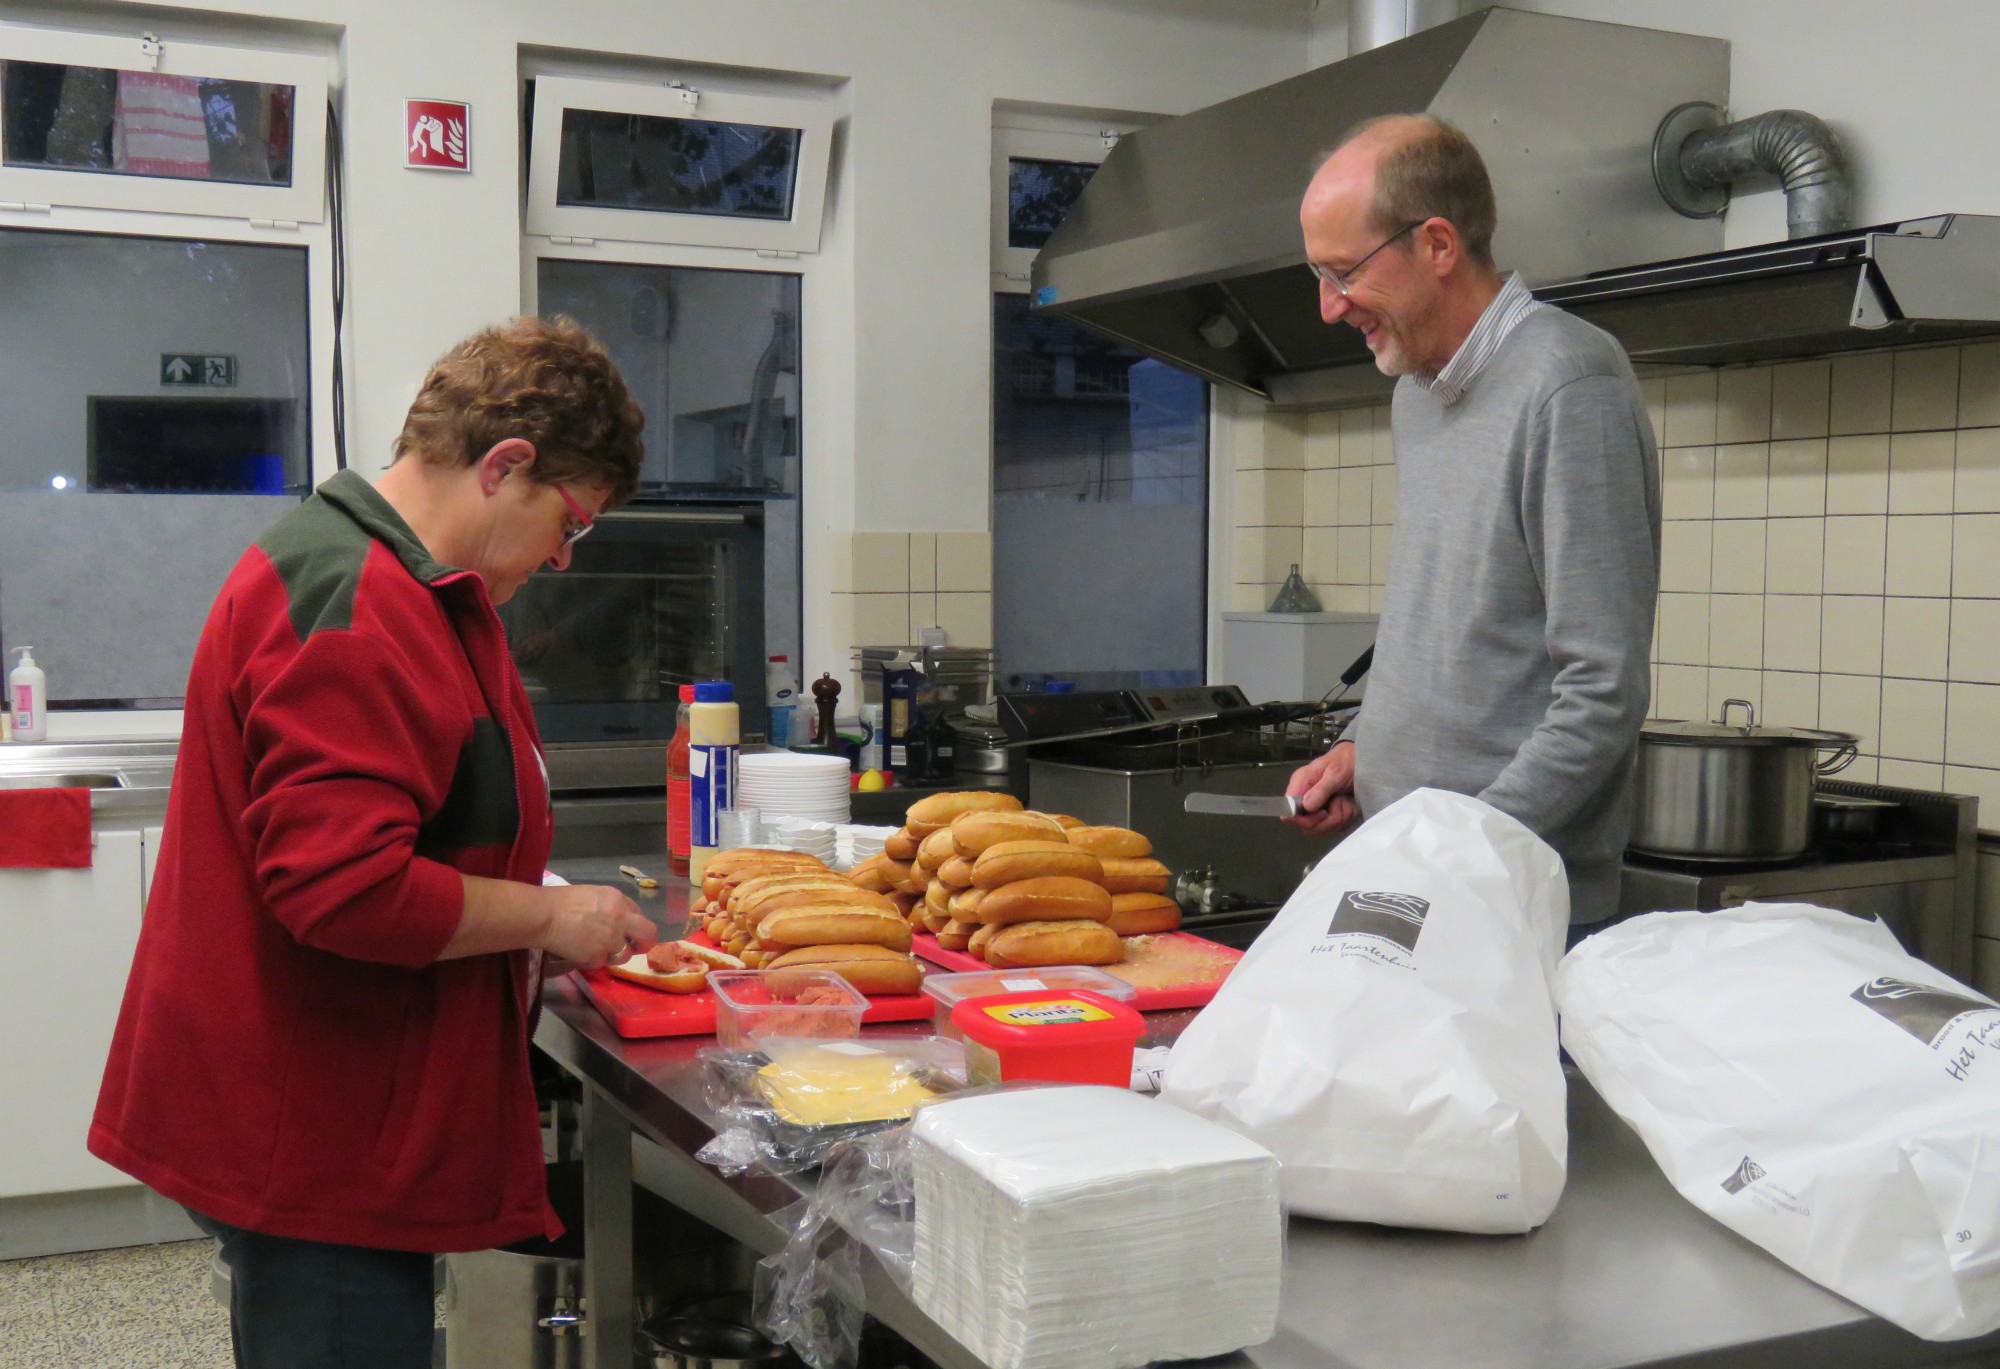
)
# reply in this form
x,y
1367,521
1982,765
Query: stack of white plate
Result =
x,y
1090,1228
786,784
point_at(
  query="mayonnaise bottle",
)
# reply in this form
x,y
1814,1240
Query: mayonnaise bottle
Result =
x,y
714,739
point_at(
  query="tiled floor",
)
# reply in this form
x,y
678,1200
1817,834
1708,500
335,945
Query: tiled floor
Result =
x,y
145,1307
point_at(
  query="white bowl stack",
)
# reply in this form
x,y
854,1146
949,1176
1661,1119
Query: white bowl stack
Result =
x,y
1090,1228
805,834
785,784
855,842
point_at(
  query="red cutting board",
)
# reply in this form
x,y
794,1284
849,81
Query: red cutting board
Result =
x,y
1212,963
634,1010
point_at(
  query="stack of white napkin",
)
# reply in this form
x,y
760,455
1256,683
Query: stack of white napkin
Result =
x,y
1090,1228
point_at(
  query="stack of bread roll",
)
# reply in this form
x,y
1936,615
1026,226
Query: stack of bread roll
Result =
x,y
783,910
1013,887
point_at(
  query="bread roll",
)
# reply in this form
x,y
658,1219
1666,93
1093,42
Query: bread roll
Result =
x,y
965,904
1143,914
871,969
936,849
1054,943
1050,898
934,921
956,934
872,874
674,966
773,899
976,945
906,904
927,815
725,863
899,873
747,893
830,924
938,896
1110,841
901,845
1134,876
975,832
1013,861
1069,823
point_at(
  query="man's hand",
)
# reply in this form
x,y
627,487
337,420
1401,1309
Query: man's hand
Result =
x,y
593,925
1325,791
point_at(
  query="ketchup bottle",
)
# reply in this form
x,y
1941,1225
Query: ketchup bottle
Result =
x,y
679,814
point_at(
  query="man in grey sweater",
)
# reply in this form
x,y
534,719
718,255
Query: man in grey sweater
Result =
x,y
1512,661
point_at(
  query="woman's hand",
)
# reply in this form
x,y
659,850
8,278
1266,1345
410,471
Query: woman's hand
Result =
x,y
1325,791
593,925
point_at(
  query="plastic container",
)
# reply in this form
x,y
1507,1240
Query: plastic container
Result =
x,y
781,696
678,800
747,1009
27,699
952,989
714,740
1070,1036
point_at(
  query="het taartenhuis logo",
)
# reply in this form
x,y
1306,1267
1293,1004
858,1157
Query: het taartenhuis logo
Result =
x,y
1396,918
1747,1173
1922,1010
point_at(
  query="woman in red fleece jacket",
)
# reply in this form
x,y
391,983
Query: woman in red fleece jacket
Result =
x,y
323,1051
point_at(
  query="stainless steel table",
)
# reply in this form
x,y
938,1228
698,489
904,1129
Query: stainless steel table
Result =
x,y
1626,1273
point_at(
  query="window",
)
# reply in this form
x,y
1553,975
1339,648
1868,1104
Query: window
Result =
x,y
712,356
671,164
1100,462
102,121
158,397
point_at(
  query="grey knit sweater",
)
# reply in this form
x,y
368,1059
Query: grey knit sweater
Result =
x,y
1512,661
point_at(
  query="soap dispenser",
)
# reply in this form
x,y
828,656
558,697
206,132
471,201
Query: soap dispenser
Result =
x,y
27,699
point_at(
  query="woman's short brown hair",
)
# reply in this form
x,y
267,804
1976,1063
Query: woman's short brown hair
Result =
x,y
545,380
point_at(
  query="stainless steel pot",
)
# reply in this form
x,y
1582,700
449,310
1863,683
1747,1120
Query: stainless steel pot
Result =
x,y
1722,792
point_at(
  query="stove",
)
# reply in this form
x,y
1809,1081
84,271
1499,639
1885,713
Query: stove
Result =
x,y
1917,873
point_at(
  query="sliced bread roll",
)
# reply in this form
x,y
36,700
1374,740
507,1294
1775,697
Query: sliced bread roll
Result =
x,y
927,815
975,832
1011,861
1054,943
1050,898
871,969
830,924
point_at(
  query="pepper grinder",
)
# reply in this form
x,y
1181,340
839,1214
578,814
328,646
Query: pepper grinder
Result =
x,y
826,692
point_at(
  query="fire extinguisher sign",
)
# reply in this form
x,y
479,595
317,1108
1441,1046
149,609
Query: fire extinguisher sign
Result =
x,y
437,135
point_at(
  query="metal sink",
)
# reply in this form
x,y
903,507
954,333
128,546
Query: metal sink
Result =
x,y
92,779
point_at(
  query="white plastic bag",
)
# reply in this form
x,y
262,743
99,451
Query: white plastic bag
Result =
x,y
1391,1036
1808,1084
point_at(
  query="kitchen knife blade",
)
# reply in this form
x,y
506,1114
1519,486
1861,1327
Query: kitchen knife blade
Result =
x,y
1242,805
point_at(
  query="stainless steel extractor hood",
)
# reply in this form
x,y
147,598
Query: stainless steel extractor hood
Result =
x,y
1186,243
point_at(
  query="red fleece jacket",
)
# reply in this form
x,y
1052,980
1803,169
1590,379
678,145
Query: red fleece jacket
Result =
x,y
291,1056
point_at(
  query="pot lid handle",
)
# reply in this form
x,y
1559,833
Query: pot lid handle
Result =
x,y
1749,714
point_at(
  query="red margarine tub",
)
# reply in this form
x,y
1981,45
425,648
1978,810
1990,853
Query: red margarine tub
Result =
x,y
1070,1036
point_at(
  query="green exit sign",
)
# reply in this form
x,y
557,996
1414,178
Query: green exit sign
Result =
x,y
203,369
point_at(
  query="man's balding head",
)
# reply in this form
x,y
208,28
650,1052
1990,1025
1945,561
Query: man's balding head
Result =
x,y
1412,167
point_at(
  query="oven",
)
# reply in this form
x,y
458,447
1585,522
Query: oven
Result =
x,y
658,596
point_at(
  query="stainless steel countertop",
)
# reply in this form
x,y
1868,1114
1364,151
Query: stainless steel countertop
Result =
x,y
126,779
1626,1273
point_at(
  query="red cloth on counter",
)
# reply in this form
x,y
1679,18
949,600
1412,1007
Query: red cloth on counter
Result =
x,y
45,829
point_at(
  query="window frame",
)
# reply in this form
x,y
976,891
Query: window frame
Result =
x,y
1068,141
812,114
301,202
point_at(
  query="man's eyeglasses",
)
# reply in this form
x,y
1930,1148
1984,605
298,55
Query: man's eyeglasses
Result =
x,y
584,520
1343,280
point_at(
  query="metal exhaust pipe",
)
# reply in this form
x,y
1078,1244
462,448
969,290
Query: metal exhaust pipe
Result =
x,y
1697,156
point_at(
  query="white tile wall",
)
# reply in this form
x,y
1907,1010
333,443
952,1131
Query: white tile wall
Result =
x,y
889,586
1831,551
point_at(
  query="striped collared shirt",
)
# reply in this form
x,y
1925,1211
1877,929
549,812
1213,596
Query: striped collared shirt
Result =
x,y
1508,308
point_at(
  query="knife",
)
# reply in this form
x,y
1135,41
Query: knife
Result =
x,y
1242,805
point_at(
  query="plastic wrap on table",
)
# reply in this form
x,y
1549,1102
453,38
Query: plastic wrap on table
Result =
x,y
783,1107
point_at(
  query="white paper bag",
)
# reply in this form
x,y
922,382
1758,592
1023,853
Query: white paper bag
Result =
x,y
1391,1036
1807,1083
